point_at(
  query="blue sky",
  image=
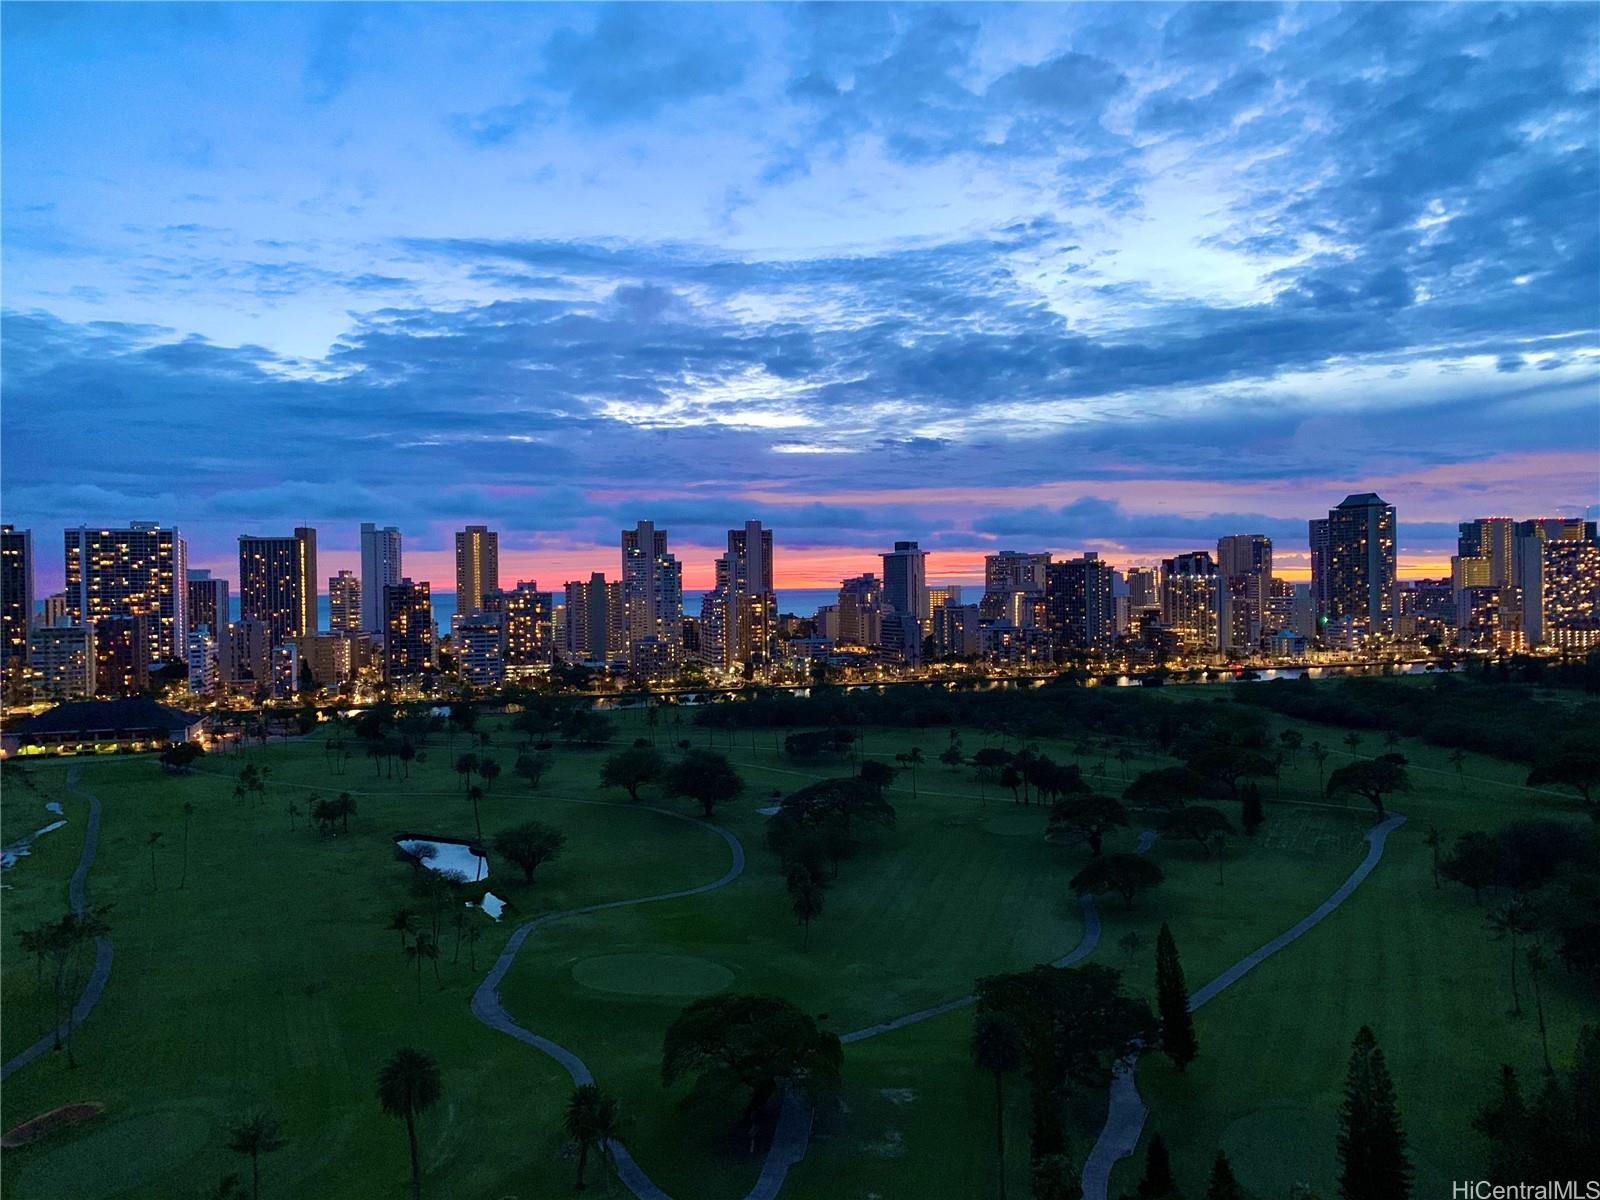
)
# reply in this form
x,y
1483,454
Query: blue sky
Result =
x,y
1079,277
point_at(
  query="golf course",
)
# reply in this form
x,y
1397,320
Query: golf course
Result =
x,y
260,965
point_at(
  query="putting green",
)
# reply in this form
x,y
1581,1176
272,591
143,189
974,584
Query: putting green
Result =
x,y
112,1158
652,974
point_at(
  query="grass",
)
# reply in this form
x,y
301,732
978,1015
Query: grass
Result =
x,y
271,980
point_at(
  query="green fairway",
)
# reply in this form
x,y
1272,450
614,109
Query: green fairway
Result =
x,y
272,979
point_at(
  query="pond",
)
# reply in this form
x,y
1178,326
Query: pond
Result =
x,y
449,856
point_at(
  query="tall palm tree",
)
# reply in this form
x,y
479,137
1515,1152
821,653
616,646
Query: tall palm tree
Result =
x,y
420,951
591,1120
405,922
997,1048
408,1086
255,1137
475,794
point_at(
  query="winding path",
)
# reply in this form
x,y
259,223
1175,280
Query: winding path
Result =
x,y
1125,1115
77,897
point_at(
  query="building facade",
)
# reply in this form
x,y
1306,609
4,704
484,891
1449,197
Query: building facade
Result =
x,y
61,662
1362,582
344,602
380,568
1189,600
16,599
1078,602
905,582
477,567
407,631
140,570
278,583
652,596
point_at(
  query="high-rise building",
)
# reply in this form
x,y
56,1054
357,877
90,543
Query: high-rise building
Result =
x,y
204,667
344,603
739,616
1319,569
480,644
1078,603
16,599
278,583
1570,587
1362,582
1189,600
942,594
593,619
331,657
380,567
407,631
1488,538
1013,587
208,602
1144,588
55,609
246,656
285,669
1530,555
529,619
905,581
122,658
61,662
1244,589
860,611
477,567
141,570
652,596
957,631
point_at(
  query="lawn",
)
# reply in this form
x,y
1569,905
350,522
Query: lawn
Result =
x,y
272,981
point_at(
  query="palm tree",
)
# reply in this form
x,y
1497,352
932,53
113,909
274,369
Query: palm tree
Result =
x,y
1535,957
1458,760
997,1048
255,1137
1352,740
405,922
293,810
408,1086
421,950
188,814
473,933
591,1120
488,771
1320,753
1434,840
475,794
914,760
154,842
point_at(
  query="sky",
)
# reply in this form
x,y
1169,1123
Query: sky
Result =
x,y
1119,278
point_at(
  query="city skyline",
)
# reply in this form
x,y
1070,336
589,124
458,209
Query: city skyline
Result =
x,y
1111,281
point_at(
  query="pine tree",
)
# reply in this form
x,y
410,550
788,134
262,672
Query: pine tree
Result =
x,y
1157,1181
1223,1185
1172,1003
1372,1146
1252,816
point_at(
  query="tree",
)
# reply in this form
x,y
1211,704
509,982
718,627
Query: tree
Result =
x,y
1458,760
806,894
1166,787
1087,816
1372,1146
1434,840
1131,942
1157,1180
876,774
632,769
1509,922
1538,963
1011,779
952,756
257,1136
751,1043
1352,741
154,842
465,766
1223,1185
1558,1135
1200,823
532,768
1292,740
997,1049
488,771
404,922
591,1120
529,845
1473,863
291,810
1372,778
1319,752
344,805
1178,1039
1504,1121
911,760
424,948
1226,763
1125,874
61,942
408,1086
179,758
705,777
1577,769
1251,815
475,798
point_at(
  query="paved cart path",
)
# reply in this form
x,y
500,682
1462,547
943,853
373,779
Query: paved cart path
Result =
x,y
1126,1112
77,897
